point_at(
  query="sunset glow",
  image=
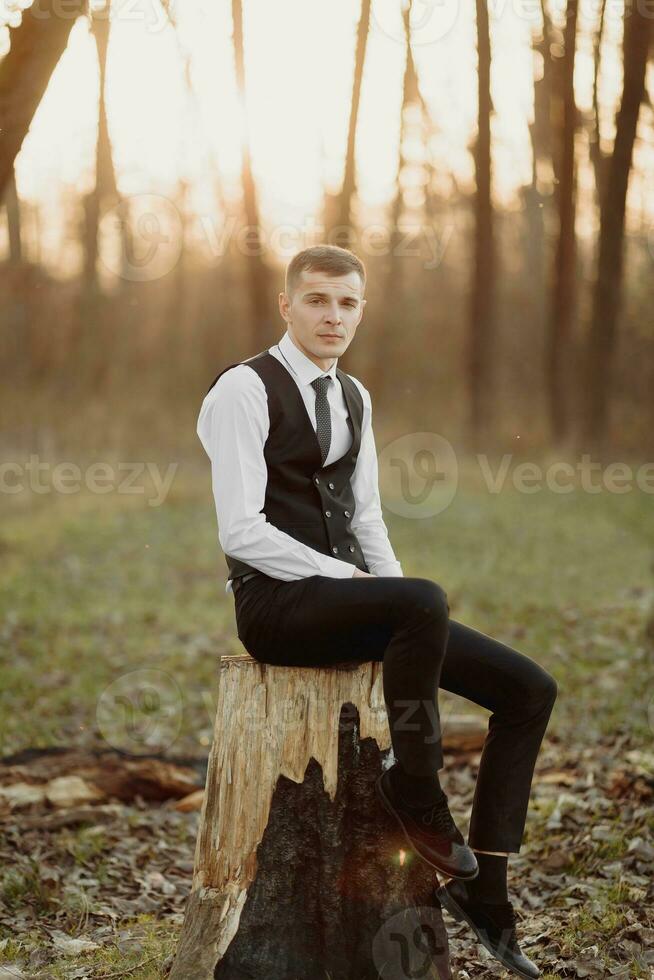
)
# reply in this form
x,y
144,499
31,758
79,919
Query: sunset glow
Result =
x,y
299,61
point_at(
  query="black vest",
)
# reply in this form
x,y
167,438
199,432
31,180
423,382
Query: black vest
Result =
x,y
311,502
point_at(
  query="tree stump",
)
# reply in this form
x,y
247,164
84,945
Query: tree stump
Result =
x,y
300,874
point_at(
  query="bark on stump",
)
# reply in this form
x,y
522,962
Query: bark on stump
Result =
x,y
300,874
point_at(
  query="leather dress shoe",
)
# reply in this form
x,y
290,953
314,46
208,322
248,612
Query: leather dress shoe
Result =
x,y
430,831
493,924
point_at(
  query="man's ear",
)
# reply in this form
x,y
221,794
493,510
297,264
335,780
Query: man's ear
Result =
x,y
283,305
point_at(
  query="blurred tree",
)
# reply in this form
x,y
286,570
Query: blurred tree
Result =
x,y
36,46
533,195
179,316
594,142
540,129
608,283
257,271
413,192
105,191
482,297
384,368
338,211
411,100
12,205
563,295
14,336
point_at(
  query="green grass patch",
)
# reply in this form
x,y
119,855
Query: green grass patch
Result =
x,y
94,587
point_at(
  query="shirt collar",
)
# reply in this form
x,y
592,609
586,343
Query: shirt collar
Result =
x,y
302,365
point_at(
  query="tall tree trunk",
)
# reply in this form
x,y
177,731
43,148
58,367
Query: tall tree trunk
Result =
x,y
176,326
14,337
533,242
608,285
12,205
342,216
563,285
257,272
409,95
36,46
542,125
86,333
594,144
393,280
535,200
105,189
482,298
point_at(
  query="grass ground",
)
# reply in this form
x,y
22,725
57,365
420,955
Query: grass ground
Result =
x,y
94,587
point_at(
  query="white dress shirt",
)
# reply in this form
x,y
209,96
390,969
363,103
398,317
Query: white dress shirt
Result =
x,y
233,427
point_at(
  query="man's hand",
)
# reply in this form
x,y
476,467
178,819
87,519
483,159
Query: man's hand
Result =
x,y
359,574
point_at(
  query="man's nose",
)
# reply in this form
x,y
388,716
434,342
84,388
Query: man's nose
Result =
x,y
333,313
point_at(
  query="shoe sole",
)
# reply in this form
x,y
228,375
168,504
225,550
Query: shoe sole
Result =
x,y
389,807
457,913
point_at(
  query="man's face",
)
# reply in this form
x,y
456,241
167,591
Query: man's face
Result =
x,y
323,313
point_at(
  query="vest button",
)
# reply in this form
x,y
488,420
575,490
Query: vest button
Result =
x,y
331,486
328,513
335,550
351,547
346,513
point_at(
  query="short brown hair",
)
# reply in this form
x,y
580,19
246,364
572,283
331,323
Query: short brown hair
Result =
x,y
332,259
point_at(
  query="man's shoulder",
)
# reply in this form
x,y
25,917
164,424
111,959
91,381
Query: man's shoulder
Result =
x,y
363,391
235,379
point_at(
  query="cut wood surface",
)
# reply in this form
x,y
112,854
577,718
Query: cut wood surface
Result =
x,y
279,778
270,721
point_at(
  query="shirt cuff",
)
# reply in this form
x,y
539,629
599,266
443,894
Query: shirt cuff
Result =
x,y
343,569
392,568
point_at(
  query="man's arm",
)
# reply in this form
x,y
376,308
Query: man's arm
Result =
x,y
233,427
367,522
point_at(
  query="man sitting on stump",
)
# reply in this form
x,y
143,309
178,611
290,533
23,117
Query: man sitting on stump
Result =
x,y
316,582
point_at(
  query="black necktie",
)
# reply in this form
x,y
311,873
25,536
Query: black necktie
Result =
x,y
323,416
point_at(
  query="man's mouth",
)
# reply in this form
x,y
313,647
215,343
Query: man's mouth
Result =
x,y
332,336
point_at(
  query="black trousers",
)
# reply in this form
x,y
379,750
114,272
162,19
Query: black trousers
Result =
x,y
404,622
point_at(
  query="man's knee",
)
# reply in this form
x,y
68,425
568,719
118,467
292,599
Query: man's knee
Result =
x,y
544,691
430,598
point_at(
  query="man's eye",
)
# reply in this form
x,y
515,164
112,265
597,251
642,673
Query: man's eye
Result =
x,y
315,300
